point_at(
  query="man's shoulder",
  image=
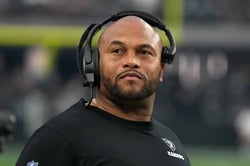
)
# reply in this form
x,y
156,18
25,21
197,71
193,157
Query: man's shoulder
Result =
x,y
165,131
72,116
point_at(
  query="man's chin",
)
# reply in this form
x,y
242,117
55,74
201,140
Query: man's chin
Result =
x,y
131,94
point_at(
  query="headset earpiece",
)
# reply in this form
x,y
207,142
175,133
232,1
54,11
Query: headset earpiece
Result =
x,y
90,69
167,56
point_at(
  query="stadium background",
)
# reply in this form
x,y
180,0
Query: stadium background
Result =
x,y
205,92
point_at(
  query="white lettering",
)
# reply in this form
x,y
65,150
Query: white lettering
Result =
x,y
176,155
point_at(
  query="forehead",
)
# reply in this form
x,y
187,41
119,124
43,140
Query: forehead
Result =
x,y
130,27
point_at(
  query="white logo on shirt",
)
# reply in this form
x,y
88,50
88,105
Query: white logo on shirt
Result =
x,y
176,155
170,144
32,163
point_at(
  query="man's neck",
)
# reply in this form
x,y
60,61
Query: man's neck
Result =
x,y
130,110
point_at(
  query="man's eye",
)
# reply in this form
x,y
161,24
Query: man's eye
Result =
x,y
117,51
145,52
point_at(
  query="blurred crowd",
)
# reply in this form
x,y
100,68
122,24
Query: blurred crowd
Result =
x,y
33,90
74,11
217,11
194,10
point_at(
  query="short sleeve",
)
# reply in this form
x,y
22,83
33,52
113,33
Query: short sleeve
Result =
x,y
47,147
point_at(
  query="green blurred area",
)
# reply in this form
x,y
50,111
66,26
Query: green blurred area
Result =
x,y
199,156
69,35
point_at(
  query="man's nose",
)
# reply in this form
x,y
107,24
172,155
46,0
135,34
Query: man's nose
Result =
x,y
131,60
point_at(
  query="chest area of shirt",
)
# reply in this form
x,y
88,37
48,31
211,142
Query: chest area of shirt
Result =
x,y
134,147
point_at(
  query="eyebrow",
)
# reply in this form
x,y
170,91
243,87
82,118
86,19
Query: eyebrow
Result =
x,y
145,46
117,42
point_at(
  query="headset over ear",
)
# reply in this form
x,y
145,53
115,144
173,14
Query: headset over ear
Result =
x,y
88,57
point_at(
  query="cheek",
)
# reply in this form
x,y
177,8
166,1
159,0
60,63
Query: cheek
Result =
x,y
155,73
107,69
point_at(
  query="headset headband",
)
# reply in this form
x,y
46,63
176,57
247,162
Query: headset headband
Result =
x,y
88,61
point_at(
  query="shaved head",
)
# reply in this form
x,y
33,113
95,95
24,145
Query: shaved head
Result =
x,y
126,24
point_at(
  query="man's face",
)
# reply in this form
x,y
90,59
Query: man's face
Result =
x,y
130,60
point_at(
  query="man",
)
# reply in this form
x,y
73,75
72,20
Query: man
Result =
x,y
116,127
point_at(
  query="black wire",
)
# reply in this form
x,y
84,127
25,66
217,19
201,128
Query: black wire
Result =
x,y
91,92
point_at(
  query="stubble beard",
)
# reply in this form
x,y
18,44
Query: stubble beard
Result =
x,y
130,93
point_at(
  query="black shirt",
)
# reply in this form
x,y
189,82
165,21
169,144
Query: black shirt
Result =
x,y
88,136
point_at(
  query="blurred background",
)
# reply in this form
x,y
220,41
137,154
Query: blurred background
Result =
x,y
205,96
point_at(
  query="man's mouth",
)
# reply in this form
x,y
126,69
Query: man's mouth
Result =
x,y
130,76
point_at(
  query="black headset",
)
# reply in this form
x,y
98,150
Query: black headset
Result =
x,y
88,57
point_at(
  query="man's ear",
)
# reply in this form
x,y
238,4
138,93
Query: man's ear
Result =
x,y
162,71
163,66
